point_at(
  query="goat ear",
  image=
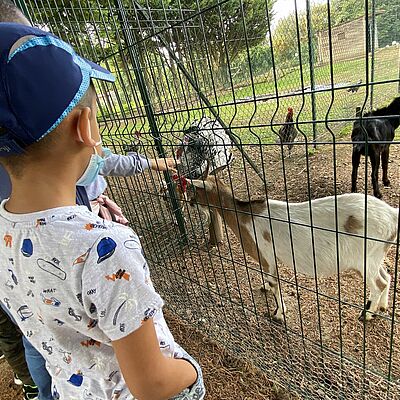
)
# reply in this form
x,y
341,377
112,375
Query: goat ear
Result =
x,y
219,169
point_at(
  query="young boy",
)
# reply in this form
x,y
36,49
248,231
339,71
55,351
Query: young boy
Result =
x,y
78,286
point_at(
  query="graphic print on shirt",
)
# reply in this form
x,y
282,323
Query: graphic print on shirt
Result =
x,y
105,249
48,348
24,312
73,314
66,356
127,302
92,323
50,301
12,281
6,301
76,379
52,267
92,226
8,240
132,244
27,247
40,222
149,313
120,274
90,342
81,259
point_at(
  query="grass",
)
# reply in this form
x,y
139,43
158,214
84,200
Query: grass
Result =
x,y
252,121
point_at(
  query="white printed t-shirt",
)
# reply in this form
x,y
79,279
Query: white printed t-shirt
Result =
x,y
74,283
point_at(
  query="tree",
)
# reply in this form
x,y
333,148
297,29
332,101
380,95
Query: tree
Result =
x,y
221,31
388,21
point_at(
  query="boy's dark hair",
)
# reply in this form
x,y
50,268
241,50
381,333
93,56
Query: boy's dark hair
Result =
x,y
15,164
9,12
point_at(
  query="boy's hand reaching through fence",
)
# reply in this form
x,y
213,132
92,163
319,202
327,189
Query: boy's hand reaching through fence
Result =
x,y
164,164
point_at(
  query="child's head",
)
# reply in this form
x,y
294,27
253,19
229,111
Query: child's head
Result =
x,y
47,102
9,12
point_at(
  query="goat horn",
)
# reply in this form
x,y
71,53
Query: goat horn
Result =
x,y
205,173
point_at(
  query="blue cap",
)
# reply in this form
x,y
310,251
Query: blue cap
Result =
x,y
41,80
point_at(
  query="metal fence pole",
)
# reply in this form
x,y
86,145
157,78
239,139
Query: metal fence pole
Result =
x,y
150,114
372,33
398,86
312,77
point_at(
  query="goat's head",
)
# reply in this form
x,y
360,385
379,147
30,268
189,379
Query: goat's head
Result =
x,y
208,190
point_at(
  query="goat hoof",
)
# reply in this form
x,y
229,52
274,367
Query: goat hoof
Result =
x,y
277,317
368,316
386,183
263,289
210,245
277,320
378,195
383,309
353,190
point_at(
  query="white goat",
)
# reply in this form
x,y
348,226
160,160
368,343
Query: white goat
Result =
x,y
257,239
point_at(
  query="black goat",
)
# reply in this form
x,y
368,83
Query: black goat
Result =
x,y
379,129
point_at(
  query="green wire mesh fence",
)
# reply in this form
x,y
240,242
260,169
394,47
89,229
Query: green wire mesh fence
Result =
x,y
243,64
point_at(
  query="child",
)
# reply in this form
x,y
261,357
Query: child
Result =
x,y
120,165
78,286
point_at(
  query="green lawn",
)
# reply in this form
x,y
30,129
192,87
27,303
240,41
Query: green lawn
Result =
x,y
245,117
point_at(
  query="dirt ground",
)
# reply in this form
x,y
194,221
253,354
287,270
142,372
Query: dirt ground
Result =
x,y
218,290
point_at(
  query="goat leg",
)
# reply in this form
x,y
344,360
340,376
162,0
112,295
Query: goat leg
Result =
x,y
375,161
385,162
356,162
215,228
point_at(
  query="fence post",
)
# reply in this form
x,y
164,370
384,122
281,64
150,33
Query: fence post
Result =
x,y
312,77
131,46
398,86
372,33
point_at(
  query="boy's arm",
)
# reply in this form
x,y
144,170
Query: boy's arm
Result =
x,y
134,163
121,165
148,374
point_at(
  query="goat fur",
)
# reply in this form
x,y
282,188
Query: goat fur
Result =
x,y
256,236
380,129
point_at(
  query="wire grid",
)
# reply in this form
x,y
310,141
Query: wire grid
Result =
x,y
232,60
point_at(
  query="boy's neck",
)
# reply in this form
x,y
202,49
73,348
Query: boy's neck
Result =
x,y
38,193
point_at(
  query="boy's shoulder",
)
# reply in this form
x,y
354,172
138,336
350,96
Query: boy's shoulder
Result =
x,y
92,226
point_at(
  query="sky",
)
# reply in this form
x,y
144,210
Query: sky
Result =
x,y
283,8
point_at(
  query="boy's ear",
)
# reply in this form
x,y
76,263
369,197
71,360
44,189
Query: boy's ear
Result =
x,y
83,127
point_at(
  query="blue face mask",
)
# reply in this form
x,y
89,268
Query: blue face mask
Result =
x,y
92,170
106,152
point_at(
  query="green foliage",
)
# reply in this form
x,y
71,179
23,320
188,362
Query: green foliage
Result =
x,y
260,59
388,22
286,46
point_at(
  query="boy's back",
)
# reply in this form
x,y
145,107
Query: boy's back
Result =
x,y
74,282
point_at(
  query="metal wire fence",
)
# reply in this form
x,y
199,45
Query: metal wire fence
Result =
x,y
243,63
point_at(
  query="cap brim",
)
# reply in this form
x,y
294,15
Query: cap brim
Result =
x,y
100,73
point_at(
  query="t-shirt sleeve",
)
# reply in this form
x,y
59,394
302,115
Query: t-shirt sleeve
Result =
x,y
116,283
121,165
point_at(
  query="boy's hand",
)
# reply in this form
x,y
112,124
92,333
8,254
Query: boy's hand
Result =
x,y
163,164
